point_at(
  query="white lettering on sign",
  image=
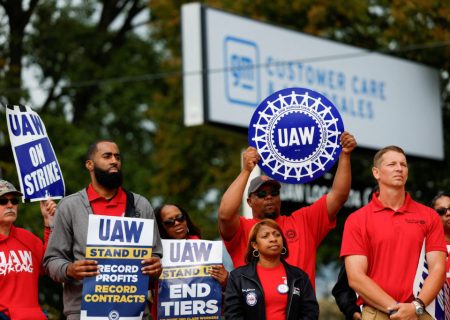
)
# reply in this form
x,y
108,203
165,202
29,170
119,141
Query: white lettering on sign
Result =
x,y
193,252
37,155
295,136
121,231
190,307
41,178
26,124
195,290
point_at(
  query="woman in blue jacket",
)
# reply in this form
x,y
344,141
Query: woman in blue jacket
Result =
x,y
267,287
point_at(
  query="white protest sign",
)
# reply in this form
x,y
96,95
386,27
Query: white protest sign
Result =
x,y
186,290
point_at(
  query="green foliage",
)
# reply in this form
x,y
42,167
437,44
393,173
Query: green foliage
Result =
x,y
86,57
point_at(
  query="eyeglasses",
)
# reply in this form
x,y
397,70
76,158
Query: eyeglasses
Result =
x,y
442,211
262,193
4,201
171,222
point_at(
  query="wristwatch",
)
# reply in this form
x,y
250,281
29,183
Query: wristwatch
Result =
x,y
420,308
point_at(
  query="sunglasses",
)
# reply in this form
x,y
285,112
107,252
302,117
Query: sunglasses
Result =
x,y
171,222
262,193
442,211
4,201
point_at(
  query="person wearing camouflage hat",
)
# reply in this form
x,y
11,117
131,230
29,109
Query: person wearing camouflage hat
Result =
x,y
21,254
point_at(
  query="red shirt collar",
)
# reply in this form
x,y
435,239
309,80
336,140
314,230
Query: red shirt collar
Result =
x,y
116,206
120,196
11,233
378,206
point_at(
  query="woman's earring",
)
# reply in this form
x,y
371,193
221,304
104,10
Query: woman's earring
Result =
x,y
283,251
255,253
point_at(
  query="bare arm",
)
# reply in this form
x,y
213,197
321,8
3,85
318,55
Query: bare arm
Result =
x,y
343,178
152,267
356,267
48,209
232,198
431,286
81,269
436,276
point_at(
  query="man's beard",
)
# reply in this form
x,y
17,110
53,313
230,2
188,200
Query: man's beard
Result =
x,y
108,180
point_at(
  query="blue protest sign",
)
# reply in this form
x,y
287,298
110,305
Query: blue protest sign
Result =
x,y
120,290
186,290
296,132
39,173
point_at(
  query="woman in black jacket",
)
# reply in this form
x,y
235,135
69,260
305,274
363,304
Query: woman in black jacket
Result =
x,y
268,287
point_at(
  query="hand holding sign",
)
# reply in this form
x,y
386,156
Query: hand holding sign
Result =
x,y
251,158
152,267
348,142
220,274
82,268
48,209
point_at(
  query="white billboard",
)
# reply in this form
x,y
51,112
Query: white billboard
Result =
x,y
231,64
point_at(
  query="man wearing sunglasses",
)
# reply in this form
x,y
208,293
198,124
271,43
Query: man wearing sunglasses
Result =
x,y
21,254
65,255
441,203
304,229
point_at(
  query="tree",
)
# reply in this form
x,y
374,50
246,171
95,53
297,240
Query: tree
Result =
x,y
90,61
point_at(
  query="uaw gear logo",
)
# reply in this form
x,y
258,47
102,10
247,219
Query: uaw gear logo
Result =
x,y
296,132
113,315
251,299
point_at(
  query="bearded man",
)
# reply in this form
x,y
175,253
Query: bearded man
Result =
x,y
65,256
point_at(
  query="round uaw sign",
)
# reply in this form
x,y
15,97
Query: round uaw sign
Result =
x,y
296,132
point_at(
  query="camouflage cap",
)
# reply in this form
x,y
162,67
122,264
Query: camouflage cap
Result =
x,y
7,187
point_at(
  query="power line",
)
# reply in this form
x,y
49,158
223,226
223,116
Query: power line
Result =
x,y
167,74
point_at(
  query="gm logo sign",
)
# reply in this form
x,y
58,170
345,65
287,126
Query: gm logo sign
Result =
x,y
242,71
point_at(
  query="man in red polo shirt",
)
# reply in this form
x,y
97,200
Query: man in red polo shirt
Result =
x,y
65,255
304,229
382,243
